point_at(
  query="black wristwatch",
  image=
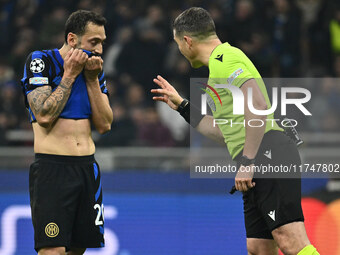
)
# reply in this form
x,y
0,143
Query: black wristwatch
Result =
x,y
245,161
181,107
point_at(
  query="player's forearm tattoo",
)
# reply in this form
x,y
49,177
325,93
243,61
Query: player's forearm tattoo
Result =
x,y
45,102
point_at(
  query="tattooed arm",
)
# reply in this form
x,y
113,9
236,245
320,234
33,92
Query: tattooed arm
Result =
x,y
47,105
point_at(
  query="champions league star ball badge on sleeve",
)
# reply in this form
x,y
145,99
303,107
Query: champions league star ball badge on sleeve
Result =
x,y
37,65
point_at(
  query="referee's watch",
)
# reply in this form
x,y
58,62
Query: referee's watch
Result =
x,y
245,161
181,107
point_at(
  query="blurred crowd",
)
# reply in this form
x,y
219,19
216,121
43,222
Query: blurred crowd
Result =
x,y
284,38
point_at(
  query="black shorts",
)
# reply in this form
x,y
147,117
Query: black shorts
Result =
x,y
66,202
273,202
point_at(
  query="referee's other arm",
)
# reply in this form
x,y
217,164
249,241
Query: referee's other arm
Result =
x,y
254,135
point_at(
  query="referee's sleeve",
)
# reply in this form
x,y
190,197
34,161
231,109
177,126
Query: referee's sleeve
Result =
x,y
238,74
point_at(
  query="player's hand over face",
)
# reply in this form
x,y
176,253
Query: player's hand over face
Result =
x,y
244,178
93,67
74,63
167,93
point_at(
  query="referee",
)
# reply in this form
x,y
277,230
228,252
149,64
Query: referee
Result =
x,y
272,207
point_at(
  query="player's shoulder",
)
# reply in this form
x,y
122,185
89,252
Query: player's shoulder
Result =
x,y
39,53
39,58
38,61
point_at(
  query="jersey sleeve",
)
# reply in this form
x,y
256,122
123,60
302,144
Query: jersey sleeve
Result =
x,y
102,83
36,72
238,74
233,65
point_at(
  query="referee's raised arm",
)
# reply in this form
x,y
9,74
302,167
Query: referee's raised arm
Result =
x,y
203,124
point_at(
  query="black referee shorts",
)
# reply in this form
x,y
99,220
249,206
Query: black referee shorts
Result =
x,y
273,202
66,202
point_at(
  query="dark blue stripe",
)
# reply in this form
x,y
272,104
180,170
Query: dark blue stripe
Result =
x,y
32,117
101,229
56,55
102,244
25,73
56,64
102,76
99,190
95,170
59,58
38,54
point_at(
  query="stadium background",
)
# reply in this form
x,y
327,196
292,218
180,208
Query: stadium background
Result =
x,y
152,206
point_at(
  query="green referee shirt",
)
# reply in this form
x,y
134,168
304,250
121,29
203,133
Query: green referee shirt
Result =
x,y
229,65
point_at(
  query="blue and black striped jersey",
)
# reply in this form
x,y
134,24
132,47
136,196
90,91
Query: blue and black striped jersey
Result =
x,y
45,68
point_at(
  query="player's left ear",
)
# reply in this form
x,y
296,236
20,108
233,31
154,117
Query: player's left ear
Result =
x,y
72,39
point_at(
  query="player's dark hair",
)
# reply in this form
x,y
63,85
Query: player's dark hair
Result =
x,y
78,20
196,22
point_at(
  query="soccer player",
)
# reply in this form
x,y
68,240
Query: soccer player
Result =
x,y
65,90
272,207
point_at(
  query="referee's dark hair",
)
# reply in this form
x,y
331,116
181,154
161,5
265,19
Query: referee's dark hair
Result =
x,y
195,22
78,20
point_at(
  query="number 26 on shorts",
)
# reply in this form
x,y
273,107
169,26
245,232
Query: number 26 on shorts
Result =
x,y
100,212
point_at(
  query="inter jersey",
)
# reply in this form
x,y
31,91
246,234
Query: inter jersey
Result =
x,y
45,68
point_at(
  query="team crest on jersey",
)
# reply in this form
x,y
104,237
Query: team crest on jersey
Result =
x,y
37,65
234,75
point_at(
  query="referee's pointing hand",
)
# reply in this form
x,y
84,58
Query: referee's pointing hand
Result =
x,y
167,94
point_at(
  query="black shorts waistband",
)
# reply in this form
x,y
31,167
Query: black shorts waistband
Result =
x,y
65,159
272,136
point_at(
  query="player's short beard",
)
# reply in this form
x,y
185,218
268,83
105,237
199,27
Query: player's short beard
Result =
x,y
79,42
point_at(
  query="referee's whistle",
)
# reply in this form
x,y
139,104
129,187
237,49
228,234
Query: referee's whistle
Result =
x,y
233,190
